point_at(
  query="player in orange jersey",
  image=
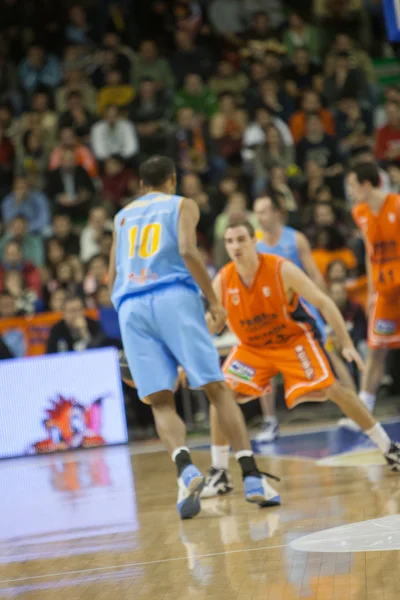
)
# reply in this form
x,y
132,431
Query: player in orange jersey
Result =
x,y
261,294
377,214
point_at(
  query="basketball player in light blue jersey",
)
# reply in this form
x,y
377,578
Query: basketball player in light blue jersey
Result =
x,y
291,244
155,276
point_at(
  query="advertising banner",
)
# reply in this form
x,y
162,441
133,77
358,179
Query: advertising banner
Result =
x,y
33,331
60,402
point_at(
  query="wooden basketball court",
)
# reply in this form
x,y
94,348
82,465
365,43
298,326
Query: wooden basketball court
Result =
x,y
101,524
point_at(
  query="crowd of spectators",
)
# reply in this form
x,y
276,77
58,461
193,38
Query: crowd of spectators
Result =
x,y
249,97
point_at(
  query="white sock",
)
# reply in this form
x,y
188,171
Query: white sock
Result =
x,y
380,438
273,420
178,450
243,453
220,457
368,399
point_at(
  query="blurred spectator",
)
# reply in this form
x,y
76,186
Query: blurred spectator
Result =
x,y
83,156
12,259
31,245
387,144
226,17
300,34
38,69
227,127
331,245
75,331
273,8
257,35
70,188
303,73
31,204
192,187
197,96
255,133
26,301
57,300
273,153
91,234
187,15
278,184
105,243
76,117
313,181
78,29
8,82
119,182
108,60
358,58
62,231
310,104
191,147
317,145
13,337
188,56
270,96
115,92
353,125
32,156
336,271
7,154
114,135
391,94
102,297
228,79
151,112
147,64
226,186
96,275
75,81
346,80
394,174
125,53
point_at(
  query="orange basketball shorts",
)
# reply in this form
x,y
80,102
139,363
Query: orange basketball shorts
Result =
x,y
384,321
303,364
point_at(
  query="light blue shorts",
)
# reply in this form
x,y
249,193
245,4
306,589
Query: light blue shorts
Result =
x,y
162,330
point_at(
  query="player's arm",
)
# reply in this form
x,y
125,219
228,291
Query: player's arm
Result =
x,y
308,262
216,284
295,280
370,282
188,219
112,271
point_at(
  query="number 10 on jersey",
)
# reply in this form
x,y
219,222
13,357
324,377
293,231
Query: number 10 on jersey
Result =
x,y
148,238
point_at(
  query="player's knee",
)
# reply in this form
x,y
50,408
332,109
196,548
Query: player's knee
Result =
x,y
162,399
214,390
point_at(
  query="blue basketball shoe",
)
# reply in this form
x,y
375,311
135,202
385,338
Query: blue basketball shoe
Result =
x,y
190,483
258,491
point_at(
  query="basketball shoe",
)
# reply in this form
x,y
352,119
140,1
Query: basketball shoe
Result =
x,y
269,432
190,484
393,456
218,483
258,491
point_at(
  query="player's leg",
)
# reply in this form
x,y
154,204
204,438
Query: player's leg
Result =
x,y
154,371
187,337
246,374
270,430
355,409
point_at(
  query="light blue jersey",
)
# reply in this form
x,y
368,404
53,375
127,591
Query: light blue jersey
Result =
x,y
286,247
147,253
160,311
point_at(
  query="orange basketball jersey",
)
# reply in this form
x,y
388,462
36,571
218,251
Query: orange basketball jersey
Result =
x,y
382,235
260,315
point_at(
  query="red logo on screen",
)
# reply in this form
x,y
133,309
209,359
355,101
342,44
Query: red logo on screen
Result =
x,y
69,425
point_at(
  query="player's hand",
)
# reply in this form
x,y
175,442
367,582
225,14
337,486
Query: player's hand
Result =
x,y
218,315
351,354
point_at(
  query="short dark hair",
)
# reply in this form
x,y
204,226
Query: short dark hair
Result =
x,y
367,171
274,197
156,171
241,222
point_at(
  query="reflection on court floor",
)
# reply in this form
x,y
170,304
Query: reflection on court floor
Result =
x,y
102,524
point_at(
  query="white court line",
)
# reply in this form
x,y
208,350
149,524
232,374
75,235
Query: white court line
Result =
x,y
138,564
